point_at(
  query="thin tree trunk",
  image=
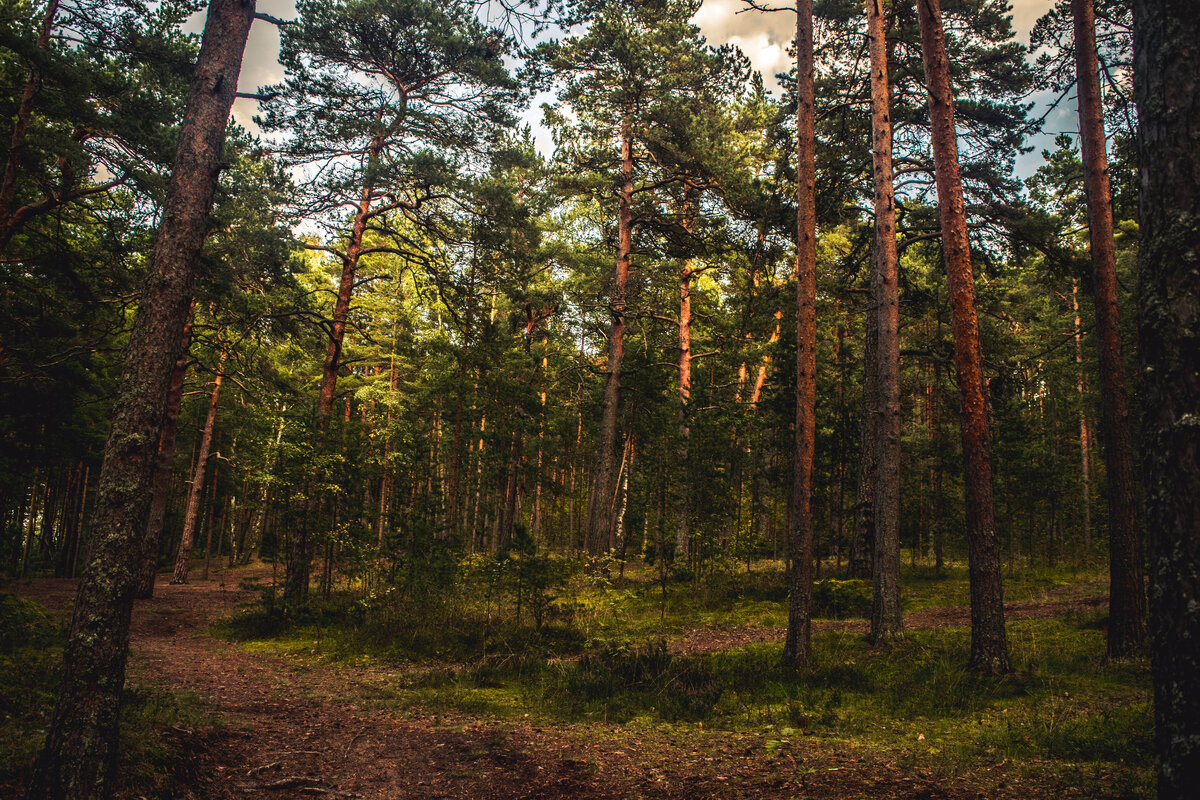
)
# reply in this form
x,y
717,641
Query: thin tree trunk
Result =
x,y
989,646
1085,444
183,556
212,505
939,495
341,309
1127,593
80,754
510,512
797,648
30,523
1166,46
681,470
536,521
886,621
862,546
600,511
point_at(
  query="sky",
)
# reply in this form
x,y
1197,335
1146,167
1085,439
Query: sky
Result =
x,y
763,37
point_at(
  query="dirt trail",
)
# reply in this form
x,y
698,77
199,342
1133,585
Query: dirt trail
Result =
x,y
299,730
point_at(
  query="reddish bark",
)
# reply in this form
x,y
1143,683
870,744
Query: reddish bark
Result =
x,y
682,506
797,650
989,647
341,308
886,621
183,556
600,530
1127,593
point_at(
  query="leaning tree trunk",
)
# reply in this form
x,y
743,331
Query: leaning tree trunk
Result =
x,y
298,568
797,649
341,308
161,491
886,622
1166,44
1127,593
183,557
989,647
600,509
79,758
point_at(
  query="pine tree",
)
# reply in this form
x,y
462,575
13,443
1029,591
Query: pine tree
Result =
x,y
989,646
1167,92
79,757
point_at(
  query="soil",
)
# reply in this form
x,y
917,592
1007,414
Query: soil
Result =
x,y
298,729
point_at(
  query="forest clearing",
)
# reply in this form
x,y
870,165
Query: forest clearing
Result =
x,y
335,708
609,398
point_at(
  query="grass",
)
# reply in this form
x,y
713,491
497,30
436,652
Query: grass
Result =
x,y
30,658
1063,711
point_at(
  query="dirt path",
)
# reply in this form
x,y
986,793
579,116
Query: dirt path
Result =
x,y
298,730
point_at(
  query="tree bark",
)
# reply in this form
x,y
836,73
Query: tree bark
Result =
x,y
80,754
797,649
886,621
1127,594
989,647
183,557
600,511
1166,46
341,308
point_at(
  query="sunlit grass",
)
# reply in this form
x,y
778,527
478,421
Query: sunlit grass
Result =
x,y
607,656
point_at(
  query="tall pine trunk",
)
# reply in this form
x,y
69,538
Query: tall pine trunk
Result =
x,y
80,754
886,622
989,646
797,648
183,557
1127,594
1166,46
600,509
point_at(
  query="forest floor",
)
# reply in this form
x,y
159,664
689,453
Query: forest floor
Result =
x,y
288,726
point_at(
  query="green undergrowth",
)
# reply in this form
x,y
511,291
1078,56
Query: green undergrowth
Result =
x,y
924,587
604,657
152,752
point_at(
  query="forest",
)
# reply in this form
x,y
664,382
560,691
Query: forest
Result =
x,y
540,399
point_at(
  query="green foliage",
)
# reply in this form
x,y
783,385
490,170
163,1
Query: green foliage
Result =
x,y
836,599
479,607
